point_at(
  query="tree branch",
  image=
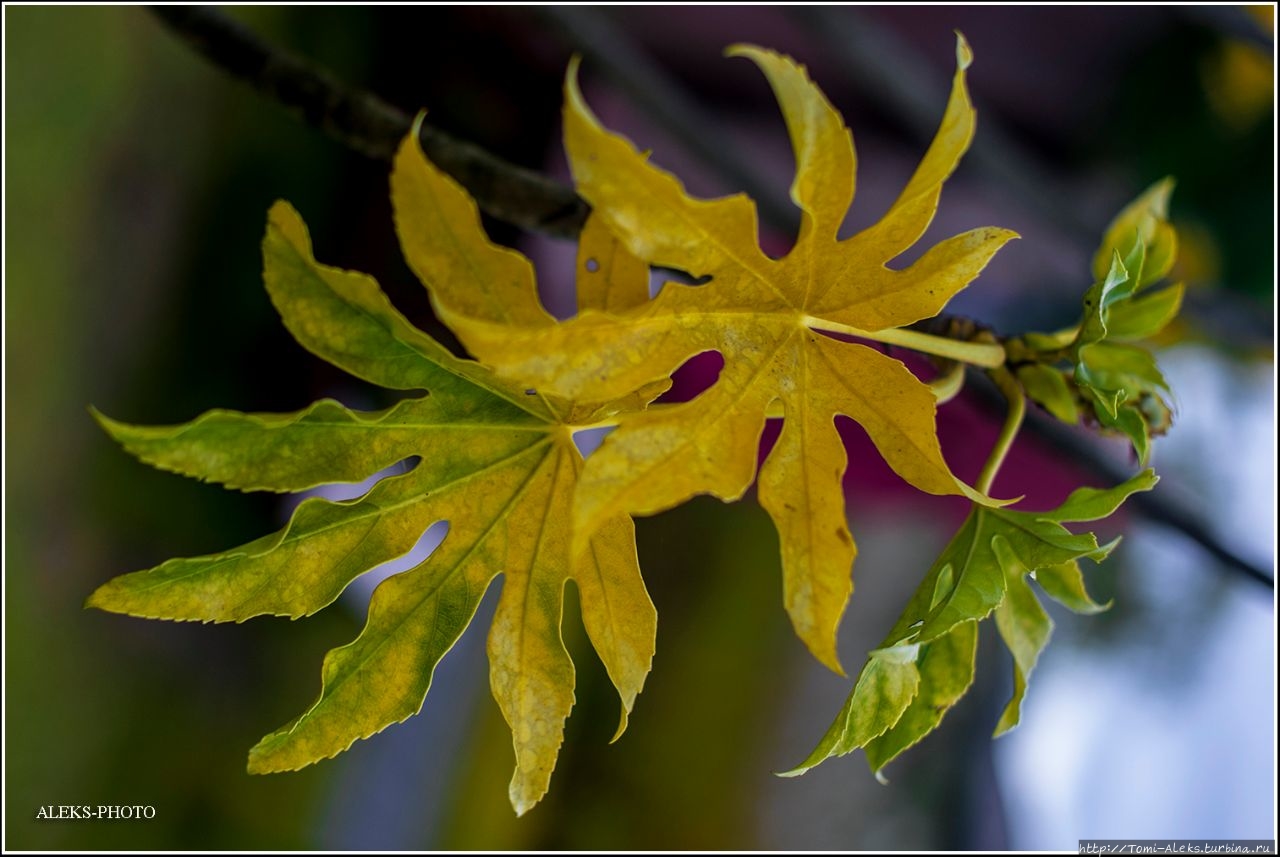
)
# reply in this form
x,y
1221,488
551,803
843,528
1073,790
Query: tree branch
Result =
x,y
362,121
365,123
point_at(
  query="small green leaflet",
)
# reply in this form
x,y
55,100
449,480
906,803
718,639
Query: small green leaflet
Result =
x,y
497,462
1120,381
1145,222
926,662
1117,382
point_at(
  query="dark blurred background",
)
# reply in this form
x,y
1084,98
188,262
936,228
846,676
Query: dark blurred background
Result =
x,y
137,178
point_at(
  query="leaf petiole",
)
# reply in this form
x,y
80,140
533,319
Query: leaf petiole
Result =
x,y
948,385
989,355
1012,423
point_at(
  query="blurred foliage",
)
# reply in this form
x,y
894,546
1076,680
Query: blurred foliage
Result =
x,y
118,149
1199,106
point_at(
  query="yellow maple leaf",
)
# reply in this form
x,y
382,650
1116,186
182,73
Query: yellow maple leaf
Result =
x,y
767,317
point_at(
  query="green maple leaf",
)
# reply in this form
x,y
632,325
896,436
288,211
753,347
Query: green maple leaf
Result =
x,y
496,461
926,662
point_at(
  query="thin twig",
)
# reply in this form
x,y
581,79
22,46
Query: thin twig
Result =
x,y
365,123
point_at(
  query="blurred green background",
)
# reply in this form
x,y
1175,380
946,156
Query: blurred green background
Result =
x,y
137,179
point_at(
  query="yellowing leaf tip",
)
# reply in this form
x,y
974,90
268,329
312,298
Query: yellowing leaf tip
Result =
x,y
281,210
285,219
764,58
986,500
94,601
415,131
622,725
752,52
964,53
1158,196
574,104
573,91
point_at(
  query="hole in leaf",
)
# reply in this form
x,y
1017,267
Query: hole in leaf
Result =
x,y
592,266
356,595
359,591
659,277
768,439
588,440
339,492
694,377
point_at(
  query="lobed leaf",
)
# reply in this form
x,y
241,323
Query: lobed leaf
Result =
x,y
1025,629
496,462
765,316
1143,222
885,688
926,662
946,669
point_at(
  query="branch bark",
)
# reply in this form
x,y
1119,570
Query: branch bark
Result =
x,y
365,123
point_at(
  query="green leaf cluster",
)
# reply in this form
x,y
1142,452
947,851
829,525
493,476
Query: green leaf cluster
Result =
x,y
926,662
1094,369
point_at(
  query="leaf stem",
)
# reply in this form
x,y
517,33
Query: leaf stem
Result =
x,y
989,355
948,385
1012,423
